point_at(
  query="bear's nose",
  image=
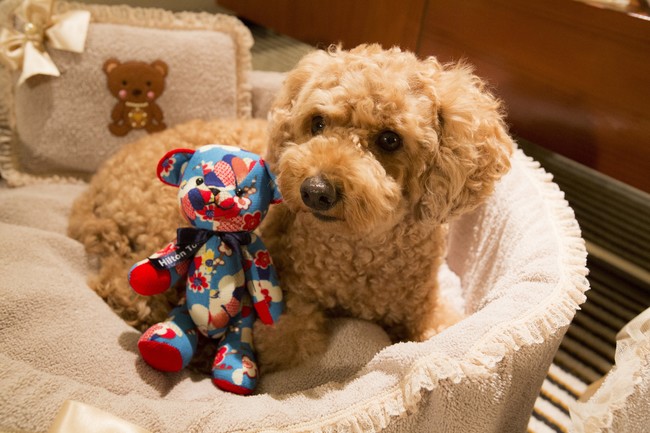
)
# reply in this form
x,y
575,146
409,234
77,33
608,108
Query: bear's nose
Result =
x,y
318,193
137,92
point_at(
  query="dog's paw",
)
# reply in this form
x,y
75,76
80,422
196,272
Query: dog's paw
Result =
x,y
445,315
290,342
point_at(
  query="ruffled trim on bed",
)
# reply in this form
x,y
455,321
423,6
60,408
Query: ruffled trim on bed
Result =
x,y
611,399
127,15
374,414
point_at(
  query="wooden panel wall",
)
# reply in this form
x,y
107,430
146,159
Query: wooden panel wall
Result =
x,y
350,22
575,78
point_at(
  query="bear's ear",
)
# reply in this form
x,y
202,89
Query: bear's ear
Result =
x,y
161,67
110,64
172,166
273,184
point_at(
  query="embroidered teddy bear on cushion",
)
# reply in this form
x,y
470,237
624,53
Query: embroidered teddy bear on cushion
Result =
x,y
136,85
224,193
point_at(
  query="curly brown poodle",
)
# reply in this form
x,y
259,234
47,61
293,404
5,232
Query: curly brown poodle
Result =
x,y
375,151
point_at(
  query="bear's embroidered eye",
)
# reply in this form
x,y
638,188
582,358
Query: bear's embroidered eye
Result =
x,y
148,83
200,181
317,125
389,141
124,82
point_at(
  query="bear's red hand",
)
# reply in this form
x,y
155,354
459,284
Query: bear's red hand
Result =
x,y
147,280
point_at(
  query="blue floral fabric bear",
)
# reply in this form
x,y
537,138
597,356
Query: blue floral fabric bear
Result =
x,y
224,193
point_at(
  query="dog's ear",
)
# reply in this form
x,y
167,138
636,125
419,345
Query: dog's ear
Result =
x,y
281,111
474,145
172,166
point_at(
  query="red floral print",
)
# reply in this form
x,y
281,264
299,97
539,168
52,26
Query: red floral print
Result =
x,y
263,259
167,166
251,221
198,283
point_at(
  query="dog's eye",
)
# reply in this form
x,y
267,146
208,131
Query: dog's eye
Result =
x,y
240,192
200,181
317,125
389,141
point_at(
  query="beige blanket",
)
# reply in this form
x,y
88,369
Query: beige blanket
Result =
x,y
521,264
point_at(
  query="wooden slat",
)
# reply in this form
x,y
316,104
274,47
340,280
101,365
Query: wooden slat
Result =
x,y
611,305
575,367
617,282
612,215
586,338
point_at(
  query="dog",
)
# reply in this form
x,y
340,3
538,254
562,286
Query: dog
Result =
x,y
375,151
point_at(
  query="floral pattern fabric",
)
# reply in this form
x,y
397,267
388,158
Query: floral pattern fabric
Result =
x,y
224,193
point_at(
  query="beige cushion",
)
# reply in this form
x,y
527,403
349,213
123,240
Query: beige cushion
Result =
x,y
59,125
265,87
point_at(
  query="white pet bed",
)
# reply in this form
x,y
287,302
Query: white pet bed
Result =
x,y
521,267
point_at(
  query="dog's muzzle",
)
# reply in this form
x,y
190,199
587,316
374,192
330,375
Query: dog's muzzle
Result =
x,y
318,193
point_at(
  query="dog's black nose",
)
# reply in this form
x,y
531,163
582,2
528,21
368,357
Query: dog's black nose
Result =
x,y
318,193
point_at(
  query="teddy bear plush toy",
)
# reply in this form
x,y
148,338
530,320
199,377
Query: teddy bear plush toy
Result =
x,y
136,85
224,193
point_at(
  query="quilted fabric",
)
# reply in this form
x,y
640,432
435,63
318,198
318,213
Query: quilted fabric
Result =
x,y
224,193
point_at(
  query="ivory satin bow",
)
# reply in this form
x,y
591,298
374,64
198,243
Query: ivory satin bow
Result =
x,y
24,47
